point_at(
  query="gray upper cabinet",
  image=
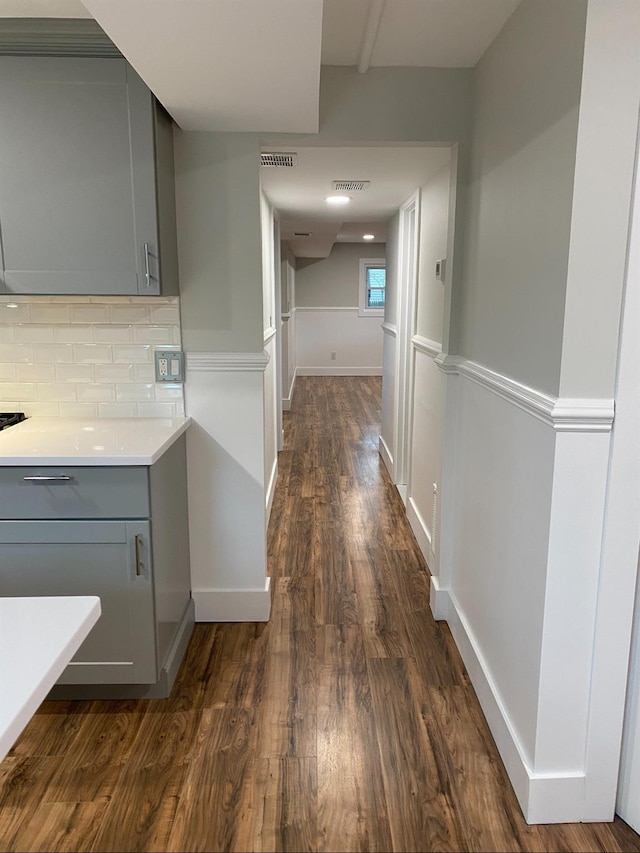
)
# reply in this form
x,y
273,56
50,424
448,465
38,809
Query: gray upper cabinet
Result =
x,y
87,203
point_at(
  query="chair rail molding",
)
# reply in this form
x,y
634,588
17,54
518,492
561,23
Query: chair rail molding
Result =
x,y
564,414
224,361
426,346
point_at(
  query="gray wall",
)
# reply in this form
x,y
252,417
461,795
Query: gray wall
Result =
x,y
332,282
510,301
219,241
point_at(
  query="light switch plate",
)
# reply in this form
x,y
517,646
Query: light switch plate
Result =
x,y
169,365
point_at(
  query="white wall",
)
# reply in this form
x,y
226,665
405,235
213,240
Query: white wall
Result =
x,y
389,353
221,282
271,311
327,318
528,467
428,392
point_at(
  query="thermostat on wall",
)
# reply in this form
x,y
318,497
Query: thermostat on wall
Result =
x,y
440,265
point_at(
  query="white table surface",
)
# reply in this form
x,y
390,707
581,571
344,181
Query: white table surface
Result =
x,y
89,441
38,638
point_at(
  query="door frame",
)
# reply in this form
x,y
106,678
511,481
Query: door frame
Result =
x,y
408,251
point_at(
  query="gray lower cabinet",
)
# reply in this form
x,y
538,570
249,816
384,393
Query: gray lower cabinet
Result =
x,y
139,567
87,203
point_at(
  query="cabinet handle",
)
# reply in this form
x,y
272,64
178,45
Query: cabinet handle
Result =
x,y
62,478
139,563
147,266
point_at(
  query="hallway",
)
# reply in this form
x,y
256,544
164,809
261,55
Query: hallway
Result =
x,y
346,723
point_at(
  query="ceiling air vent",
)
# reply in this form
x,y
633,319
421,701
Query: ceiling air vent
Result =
x,y
350,186
278,159
302,233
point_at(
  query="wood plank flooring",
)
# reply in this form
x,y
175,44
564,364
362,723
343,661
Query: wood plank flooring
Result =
x,y
346,723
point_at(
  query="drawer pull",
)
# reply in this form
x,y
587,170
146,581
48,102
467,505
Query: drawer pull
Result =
x,y
62,478
139,563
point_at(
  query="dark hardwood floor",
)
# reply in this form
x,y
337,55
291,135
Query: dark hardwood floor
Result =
x,y
346,723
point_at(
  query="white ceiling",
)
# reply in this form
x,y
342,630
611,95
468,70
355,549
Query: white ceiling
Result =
x,y
298,193
254,66
430,33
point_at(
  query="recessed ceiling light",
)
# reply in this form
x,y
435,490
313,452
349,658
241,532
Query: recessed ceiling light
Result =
x,y
338,199
368,236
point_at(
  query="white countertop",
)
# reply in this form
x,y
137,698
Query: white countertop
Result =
x,y
96,441
38,638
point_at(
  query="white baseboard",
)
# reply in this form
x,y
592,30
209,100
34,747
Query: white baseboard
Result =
x,y
387,458
233,605
339,371
286,402
420,530
544,798
271,488
438,600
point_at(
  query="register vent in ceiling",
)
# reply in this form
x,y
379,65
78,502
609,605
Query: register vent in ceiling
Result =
x,y
278,159
350,186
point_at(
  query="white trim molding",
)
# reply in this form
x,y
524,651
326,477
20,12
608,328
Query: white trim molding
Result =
x,y
564,414
286,402
269,334
233,605
214,362
543,797
339,371
420,530
386,455
424,345
271,490
389,329
304,308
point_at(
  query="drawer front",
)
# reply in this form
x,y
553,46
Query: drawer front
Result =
x,y
67,492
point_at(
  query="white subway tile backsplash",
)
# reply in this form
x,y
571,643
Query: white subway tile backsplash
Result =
x,y
15,353
144,373
168,391
14,312
18,391
113,334
129,314
165,315
37,410
89,313
117,410
158,335
58,392
95,393
133,392
33,334
75,373
116,372
92,353
49,312
77,334
8,372
133,354
52,353
78,410
157,410
87,356
35,373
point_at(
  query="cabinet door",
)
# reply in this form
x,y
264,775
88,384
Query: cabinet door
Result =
x,y
77,187
90,558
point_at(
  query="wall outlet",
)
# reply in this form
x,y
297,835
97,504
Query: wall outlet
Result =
x,y
169,365
333,356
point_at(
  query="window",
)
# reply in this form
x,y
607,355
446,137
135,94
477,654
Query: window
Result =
x,y
373,276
